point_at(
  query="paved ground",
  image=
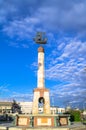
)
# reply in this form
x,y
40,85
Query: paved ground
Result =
x,y
74,126
77,126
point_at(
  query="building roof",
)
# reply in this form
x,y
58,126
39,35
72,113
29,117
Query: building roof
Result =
x,y
5,103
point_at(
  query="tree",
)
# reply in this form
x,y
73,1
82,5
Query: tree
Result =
x,y
16,107
75,115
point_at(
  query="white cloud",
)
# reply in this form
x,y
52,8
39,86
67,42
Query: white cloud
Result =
x,y
23,18
4,88
25,46
22,28
70,71
22,96
69,63
61,46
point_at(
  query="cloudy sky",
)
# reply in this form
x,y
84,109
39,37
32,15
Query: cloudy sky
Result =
x,y
64,22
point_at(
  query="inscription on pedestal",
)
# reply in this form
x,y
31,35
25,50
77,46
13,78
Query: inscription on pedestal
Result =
x,y
44,121
23,121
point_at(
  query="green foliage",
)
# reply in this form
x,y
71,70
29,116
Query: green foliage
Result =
x,y
75,115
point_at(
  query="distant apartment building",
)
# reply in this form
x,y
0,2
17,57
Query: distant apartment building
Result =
x,y
5,107
54,110
26,107
61,110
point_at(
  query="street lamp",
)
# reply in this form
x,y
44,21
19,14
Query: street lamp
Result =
x,y
84,105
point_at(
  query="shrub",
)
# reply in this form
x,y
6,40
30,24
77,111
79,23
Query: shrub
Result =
x,y
75,115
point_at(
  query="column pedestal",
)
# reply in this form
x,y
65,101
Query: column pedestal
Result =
x,y
44,94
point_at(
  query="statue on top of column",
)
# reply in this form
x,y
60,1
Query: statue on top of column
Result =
x,y
40,38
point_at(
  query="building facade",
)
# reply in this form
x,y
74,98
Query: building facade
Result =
x,y
5,107
26,107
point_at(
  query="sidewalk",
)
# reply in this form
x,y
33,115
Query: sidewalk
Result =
x,y
74,126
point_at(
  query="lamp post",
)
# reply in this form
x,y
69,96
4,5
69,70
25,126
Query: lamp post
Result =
x,y
52,99
84,105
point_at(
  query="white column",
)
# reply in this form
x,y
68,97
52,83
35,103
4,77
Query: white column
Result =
x,y
40,67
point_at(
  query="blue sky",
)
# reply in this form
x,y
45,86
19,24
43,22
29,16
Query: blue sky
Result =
x,y
65,52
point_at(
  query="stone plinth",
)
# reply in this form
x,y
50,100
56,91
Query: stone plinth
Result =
x,y
42,120
26,128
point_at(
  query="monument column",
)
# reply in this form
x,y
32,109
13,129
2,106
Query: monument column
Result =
x,y
41,94
40,79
